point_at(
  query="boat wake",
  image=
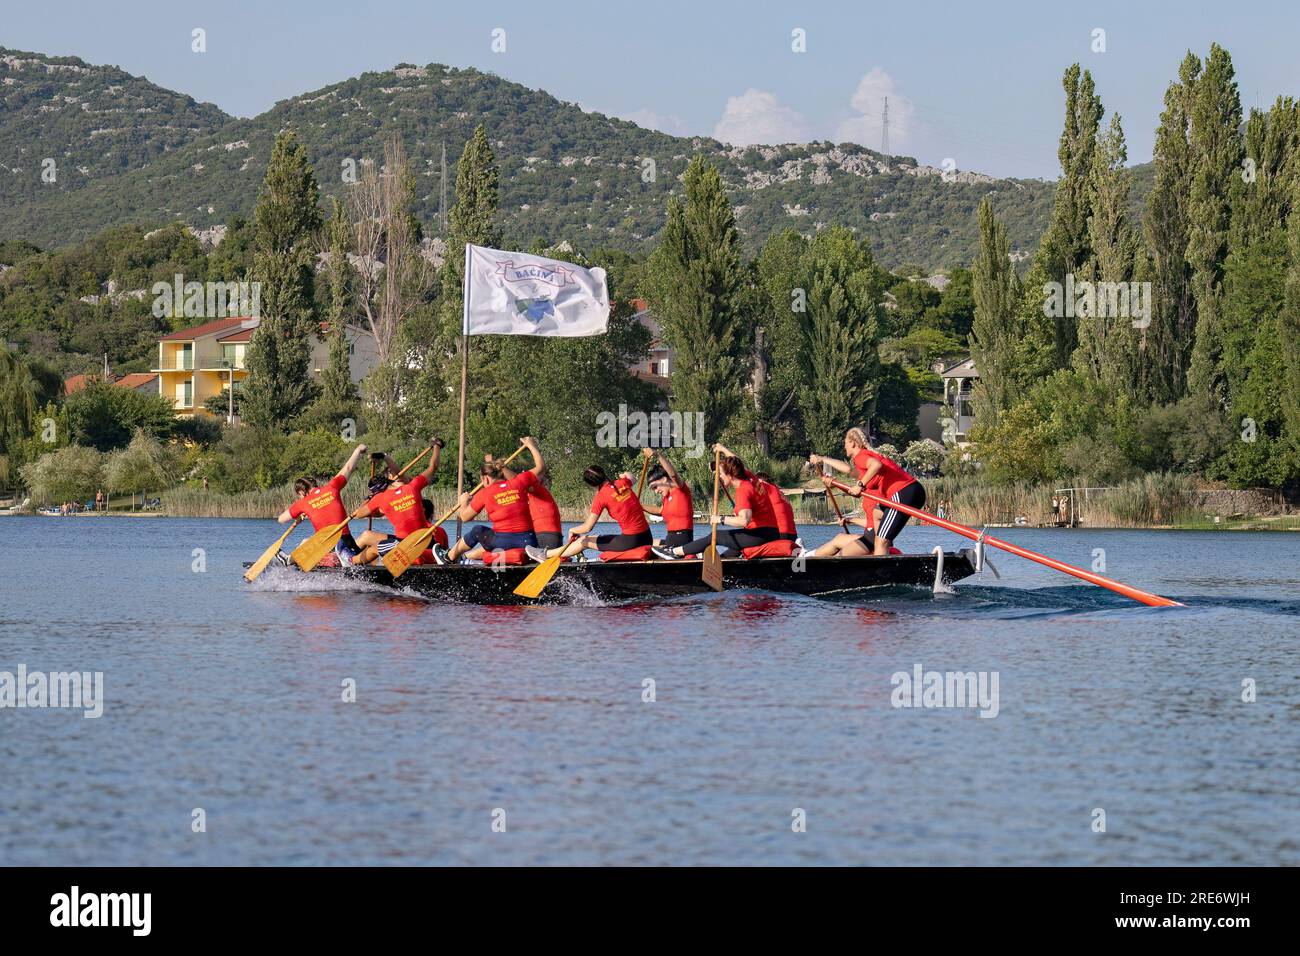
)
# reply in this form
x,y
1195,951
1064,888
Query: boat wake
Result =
x,y
291,580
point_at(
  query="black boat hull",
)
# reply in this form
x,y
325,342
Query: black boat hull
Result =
x,y
632,580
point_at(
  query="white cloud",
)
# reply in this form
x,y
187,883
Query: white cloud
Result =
x,y
755,117
869,101
649,119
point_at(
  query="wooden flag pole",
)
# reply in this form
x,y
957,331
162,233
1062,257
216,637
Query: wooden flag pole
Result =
x,y
464,386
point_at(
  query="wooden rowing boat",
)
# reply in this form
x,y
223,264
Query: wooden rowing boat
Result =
x,y
632,580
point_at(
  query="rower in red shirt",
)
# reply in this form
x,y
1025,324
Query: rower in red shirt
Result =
x,y
881,476
322,505
781,507
506,501
542,509
618,497
676,507
401,502
752,526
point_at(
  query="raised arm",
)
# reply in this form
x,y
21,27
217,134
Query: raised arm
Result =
x,y
538,462
346,470
668,468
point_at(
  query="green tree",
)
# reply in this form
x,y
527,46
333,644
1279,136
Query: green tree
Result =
x,y
1215,137
142,466
841,337
339,398
72,473
1108,344
105,416
1169,338
698,290
279,386
1066,245
996,328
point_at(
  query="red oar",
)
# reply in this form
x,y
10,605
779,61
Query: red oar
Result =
x,y
1154,600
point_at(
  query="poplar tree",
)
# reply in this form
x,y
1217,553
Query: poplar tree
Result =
x,y
996,329
1066,245
279,386
1215,139
473,219
1109,344
1165,225
697,289
339,397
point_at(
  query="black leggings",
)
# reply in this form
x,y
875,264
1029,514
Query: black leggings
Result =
x,y
892,520
624,542
734,539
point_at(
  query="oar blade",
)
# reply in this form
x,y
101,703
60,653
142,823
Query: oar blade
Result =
x,y
312,551
407,552
538,578
711,572
260,564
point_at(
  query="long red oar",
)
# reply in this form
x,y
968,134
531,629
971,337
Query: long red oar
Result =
x,y
1153,600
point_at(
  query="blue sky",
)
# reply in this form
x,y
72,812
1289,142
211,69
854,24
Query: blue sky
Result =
x,y
975,82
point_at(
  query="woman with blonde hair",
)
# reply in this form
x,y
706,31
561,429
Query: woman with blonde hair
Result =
x,y
880,476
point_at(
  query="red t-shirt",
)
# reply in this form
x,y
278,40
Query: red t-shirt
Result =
x,y
322,505
543,509
889,479
506,502
782,508
678,509
619,499
752,496
403,506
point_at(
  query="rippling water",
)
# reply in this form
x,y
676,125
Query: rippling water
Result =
x,y
227,697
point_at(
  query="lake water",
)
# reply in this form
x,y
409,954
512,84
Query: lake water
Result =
x,y
227,698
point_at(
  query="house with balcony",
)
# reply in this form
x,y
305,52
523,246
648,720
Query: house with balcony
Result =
x,y
958,382
656,366
202,362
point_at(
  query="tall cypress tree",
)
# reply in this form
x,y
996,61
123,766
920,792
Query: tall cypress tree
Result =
x,y
1108,345
697,289
840,336
1215,138
1066,246
473,219
279,385
996,327
339,397
1169,337
1288,387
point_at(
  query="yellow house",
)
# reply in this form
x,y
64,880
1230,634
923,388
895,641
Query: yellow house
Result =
x,y
198,363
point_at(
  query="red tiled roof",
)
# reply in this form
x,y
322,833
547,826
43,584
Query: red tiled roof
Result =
x,y
136,379
76,383
218,325
239,335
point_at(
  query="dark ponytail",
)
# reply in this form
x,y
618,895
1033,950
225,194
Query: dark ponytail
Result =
x,y
595,476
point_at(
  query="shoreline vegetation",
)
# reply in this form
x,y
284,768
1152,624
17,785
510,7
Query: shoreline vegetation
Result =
x,y
1151,502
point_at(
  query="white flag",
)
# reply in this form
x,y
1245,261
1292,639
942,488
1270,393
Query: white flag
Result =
x,y
513,293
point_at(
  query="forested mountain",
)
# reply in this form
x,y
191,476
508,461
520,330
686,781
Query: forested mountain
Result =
x,y
128,151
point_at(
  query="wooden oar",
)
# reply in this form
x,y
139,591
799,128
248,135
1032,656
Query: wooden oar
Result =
x,y
711,572
312,551
260,564
410,548
645,468
540,576
1145,597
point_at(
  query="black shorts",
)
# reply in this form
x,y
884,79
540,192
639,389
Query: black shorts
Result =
x,y
892,520
549,539
676,539
789,535
623,542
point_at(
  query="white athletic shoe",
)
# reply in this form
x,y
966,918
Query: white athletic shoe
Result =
x,y
665,554
535,552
